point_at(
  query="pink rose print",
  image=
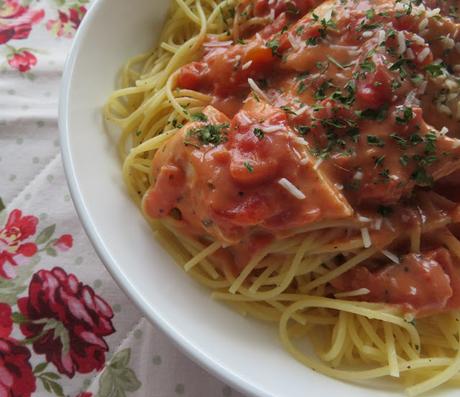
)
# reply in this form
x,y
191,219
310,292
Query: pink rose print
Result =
x,y
68,22
16,20
16,377
6,322
67,321
13,249
22,60
85,394
64,242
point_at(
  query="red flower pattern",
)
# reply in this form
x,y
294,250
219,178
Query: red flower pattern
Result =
x,y
12,249
65,319
64,242
22,60
16,377
6,322
71,318
16,20
68,22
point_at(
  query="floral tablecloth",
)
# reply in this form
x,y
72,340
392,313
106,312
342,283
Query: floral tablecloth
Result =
x,y
66,329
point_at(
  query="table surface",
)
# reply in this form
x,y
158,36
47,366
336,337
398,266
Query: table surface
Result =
x,y
66,328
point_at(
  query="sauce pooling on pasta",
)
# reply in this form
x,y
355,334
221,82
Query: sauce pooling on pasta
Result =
x,y
344,110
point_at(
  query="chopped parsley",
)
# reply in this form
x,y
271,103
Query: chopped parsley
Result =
x,y
337,63
274,45
320,93
199,117
374,140
288,110
213,134
435,69
348,99
404,160
372,114
301,88
421,177
406,116
176,124
311,41
368,65
401,66
384,210
248,166
379,161
402,142
303,129
258,133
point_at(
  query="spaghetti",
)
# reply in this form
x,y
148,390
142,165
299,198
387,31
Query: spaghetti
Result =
x,y
299,158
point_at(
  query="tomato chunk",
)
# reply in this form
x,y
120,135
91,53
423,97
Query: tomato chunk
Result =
x,y
163,196
422,283
375,90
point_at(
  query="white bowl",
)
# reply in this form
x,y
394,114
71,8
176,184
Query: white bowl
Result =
x,y
243,352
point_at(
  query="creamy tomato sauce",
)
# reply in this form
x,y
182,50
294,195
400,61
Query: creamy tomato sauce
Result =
x,y
332,110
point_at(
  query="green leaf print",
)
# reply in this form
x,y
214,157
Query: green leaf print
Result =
x,y
117,378
45,234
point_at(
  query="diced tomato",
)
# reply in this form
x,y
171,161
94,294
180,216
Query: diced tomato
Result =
x,y
251,162
250,211
406,128
295,8
423,283
275,27
162,197
452,268
261,8
405,22
192,75
375,90
261,58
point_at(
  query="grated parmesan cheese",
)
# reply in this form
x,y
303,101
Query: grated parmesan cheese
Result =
x,y
431,13
394,258
302,110
273,128
358,176
246,65
304,161
422,87
367,242
255,88
423,24
356,292
291,188
410,54
317,164
444,131
447,42
423,54
401,43
293,41
444,109
218,43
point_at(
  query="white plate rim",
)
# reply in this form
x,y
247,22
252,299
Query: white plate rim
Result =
x,y
185,345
